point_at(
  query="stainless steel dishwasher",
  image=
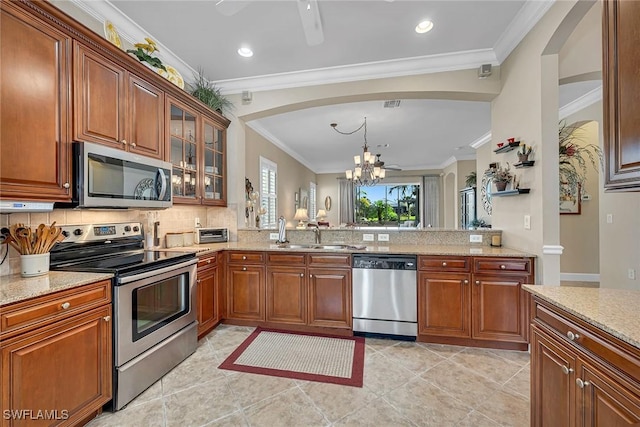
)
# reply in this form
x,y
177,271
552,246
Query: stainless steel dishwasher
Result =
x,y
385,295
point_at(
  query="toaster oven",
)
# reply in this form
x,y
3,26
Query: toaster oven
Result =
x,y
211,235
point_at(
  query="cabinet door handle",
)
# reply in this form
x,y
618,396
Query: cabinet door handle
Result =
x,y
124,142
301,274
444,264
106,318
65,305
66,185
244,257
208,261
566,370
466,282
244,268
133,144
572,336
477,282
310,276
503,267
198,281
582,384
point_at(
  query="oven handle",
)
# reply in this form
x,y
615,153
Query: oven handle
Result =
x,y
152,273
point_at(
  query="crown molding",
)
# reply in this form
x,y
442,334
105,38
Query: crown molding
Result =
x,y
278,143
355,72
481,141
130,31
526,18
581,103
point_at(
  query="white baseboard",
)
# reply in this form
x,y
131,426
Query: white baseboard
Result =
x,y
580,277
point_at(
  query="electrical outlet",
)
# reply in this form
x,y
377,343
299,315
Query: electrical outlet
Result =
x,y
609,218
273,236
367,237
527,222
631,274
197,222
475,238
383,237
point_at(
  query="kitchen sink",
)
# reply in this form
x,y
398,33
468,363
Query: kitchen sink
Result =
x,y
310,246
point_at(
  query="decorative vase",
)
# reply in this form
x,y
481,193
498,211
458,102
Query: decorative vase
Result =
x,y
501,185
523,157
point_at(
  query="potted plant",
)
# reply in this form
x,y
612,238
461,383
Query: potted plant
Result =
x,y
210,94
470,180
143,52
501,177
523,153
574,155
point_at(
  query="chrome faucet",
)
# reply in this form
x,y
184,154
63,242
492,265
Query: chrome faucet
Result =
x,y
316,232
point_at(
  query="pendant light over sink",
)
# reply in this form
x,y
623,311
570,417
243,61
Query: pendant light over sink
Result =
x,y
369,169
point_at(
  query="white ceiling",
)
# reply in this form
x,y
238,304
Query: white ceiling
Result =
x,y
360,39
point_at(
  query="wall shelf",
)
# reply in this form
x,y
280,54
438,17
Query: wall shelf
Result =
x,y
506,148
511,192
526,164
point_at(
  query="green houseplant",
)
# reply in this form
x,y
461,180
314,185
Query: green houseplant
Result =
x,y
470,180
574,156
210,94
501,177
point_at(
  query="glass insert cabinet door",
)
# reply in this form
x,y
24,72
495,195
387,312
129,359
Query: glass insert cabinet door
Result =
x,y
184,151
214,162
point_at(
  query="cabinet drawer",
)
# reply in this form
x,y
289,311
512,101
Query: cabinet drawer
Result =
x,y
485,264
246,257
330,259
444,263
208,260
286,259
587,338
52,307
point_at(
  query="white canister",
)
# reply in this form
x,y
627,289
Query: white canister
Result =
x,y
187,238
34,265
173,240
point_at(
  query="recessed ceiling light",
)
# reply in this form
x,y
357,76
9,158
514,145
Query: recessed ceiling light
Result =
x,y
245,51
424,27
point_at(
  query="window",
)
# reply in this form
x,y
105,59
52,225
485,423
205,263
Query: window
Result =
x,y
388,205
268,192
312,202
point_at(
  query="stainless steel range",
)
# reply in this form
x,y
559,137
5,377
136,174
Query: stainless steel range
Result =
x,y
154,303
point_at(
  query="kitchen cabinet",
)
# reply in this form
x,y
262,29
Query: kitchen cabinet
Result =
x,y
474,301
197,146
330,302
286,288
621,89
34,128
56,354
245,286
580,374
208,294
115,107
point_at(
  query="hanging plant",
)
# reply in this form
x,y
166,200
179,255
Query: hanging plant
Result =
x,y
574,157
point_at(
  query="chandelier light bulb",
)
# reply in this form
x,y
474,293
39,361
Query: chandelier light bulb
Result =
x,y
349,174
383,172
376,171
356,160
367,157
357,172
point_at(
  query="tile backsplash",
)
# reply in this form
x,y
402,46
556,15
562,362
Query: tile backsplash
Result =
x,y
175,219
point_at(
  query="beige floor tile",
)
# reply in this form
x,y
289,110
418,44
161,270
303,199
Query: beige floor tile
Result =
x,y
487,364
201,404
425,404
377,413
382,374
520,382
476,419
467,386
153,392
379,343
413,357
520,357
228,338
506,409
150,414
336,401
443,350
291,408
236,419
200,367
252,388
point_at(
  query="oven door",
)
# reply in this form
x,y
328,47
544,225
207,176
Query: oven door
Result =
x,y
151,306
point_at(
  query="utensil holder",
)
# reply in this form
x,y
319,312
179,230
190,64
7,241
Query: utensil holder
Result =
x,y
34,265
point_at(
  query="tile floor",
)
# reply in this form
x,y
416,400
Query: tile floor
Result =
x,y
405,384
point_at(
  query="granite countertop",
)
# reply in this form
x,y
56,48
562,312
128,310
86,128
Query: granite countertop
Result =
x,y
15,288
460,250
613,310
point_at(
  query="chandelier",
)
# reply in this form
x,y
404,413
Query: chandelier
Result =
x,y
369,169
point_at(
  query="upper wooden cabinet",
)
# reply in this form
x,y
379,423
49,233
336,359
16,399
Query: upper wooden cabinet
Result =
x,y
34,88
621,109
197,148
116,108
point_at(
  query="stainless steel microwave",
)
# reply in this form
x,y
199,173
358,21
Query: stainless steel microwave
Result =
x,y
106,177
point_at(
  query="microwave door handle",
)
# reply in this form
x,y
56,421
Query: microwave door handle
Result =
x,y
163,185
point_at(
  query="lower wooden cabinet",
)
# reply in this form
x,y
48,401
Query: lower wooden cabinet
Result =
x,y
245,292
208,294
475,301
330,298
580,375
287,295
63,367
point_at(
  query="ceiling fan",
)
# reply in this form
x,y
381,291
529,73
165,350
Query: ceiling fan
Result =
x,y
308,10
380,163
